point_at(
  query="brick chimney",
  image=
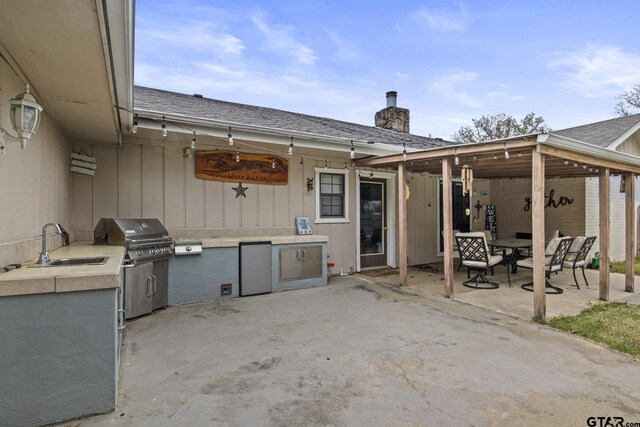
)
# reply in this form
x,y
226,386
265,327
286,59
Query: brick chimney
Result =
x,y
392,117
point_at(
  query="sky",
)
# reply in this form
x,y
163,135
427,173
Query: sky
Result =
x,y
450,62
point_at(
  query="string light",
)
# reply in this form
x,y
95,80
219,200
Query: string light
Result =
x,y
273,163
193,140
238,156
230,137
353,151
2,150
495,157
163,125
590,169
456,159
404,152
575,165
325,165
506,153
345,166
291,146
566,162
475,157
584,166
134,128
302,160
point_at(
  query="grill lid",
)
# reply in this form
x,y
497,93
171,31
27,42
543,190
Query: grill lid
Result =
x,y
129,231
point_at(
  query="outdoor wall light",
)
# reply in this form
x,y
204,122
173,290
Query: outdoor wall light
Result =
x,y
25,115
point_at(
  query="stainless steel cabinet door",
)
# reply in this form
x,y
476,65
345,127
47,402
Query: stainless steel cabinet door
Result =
x,y
160,290
290,266
138,288
255,268
311,262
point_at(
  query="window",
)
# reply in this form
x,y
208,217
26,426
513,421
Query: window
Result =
x,y
332,201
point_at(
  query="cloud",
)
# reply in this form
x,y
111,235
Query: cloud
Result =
x,y
442,21
597,70
449,87
343,50
401,78
196,35
279,39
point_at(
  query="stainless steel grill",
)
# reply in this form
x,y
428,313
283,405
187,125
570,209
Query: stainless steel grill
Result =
x,y
146,265
144,239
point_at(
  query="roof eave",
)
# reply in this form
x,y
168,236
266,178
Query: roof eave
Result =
x,y
561,142
149,119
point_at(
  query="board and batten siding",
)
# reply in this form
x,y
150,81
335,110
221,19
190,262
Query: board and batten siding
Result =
x,y
36,181
152,180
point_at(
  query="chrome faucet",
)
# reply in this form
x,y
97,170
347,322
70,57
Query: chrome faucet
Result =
x,y
44,255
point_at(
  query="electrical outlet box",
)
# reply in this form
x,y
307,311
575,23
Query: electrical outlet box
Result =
x,y
225,289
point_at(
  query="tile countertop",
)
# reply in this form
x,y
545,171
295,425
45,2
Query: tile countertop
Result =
x,y
222,242
25,280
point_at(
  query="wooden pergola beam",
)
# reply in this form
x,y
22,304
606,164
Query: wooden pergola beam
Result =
x,y
441,153
402,223
592,161
447,225
537,231
604,190
630,227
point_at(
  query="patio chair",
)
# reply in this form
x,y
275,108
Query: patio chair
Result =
x,y
555,253
475,255
576,257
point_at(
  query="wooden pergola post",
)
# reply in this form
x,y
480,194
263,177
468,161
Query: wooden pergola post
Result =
x,y
537,231
447,225
630,228
402,219
604,188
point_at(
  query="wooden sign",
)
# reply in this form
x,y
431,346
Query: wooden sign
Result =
x,y
258,168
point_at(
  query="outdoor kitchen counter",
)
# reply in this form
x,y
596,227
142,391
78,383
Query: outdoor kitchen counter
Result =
x,y
225,242
40,280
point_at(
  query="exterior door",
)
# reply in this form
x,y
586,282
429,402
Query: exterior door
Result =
x,y
460,203
373,223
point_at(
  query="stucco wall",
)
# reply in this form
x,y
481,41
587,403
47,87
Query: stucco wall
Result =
x,y
58,358
151,178
509,196
36,182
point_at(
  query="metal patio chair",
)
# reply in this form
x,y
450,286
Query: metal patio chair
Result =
x,y
555,253
475,255
577,256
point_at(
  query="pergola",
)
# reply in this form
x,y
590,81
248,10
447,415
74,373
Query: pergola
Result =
x,y
537,156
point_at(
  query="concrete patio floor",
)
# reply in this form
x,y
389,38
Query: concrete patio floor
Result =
x,y
363,352
517,302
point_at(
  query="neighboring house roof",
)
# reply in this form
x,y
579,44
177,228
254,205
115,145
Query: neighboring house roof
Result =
x,y
147,99
607,134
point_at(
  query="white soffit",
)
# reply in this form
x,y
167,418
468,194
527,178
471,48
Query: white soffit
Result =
x,y
59,47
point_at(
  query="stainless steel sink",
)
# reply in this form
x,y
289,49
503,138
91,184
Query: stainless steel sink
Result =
x,y
66,262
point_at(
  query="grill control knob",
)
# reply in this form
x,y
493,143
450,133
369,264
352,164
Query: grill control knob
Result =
x,y
139,252
188,248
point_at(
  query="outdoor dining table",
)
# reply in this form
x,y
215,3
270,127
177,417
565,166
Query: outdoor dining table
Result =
x,y
514,245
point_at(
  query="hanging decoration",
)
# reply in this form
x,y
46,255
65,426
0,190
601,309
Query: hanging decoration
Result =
x,y
226,166
240,190
82,163
467,179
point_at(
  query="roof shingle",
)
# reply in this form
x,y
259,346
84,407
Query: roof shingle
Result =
x,y
206,108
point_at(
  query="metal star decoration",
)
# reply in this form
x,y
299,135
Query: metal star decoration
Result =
x,y
240,190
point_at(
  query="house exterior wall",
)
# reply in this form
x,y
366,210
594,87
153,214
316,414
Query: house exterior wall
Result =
x,y
36,181
631,145
508,195
154,179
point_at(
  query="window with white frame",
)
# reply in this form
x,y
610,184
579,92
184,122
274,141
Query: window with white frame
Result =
x,y
332,195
